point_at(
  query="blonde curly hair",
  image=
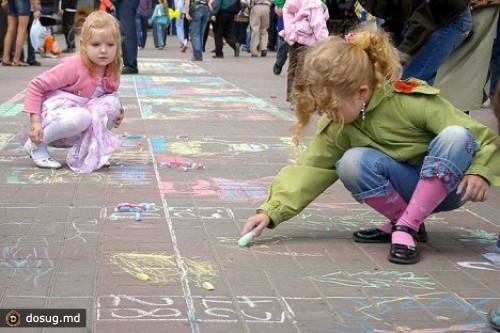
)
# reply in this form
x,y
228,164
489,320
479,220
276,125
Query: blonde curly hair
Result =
x,y
335,68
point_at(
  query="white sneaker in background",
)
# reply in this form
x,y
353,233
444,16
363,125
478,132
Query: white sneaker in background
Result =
x,y
486,104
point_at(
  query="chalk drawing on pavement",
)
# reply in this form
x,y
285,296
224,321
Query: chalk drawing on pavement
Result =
x,y
433,312
161,268
222,189
29,259
382,279
202,213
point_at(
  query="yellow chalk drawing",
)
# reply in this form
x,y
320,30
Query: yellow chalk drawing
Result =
x,y
162,268
62,176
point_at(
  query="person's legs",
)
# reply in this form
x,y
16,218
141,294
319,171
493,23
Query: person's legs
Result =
x,y
22,26
425,63
9,38
198,24
254,30
281,56
272,31
218,33
58,124
144,31
138,31
205,33
127,11
179,29
263,35
292,64
162,35
228,29
31,59
3,28
495,63
449,156
155,34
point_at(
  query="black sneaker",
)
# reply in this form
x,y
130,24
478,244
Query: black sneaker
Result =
x,y
218,56
237,50
263,53
277,69
34,63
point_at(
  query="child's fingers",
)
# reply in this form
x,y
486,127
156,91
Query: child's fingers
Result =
x,y
249,225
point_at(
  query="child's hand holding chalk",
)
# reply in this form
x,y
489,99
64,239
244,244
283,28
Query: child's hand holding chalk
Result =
x,y
253,228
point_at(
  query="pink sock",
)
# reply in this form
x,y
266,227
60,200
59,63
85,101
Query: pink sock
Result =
x,y
430,192
391,207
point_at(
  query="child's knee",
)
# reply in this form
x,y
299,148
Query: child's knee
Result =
x,y
112,102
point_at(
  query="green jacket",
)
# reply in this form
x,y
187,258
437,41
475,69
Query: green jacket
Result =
x,y
401,121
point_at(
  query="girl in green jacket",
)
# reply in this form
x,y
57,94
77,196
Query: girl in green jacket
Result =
x,y
396,145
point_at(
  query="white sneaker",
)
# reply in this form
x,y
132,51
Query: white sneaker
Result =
x,y
46,162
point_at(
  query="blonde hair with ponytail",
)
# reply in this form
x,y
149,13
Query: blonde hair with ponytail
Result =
x,y
335,68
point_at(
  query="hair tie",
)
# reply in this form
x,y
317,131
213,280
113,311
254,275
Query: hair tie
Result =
x,y
350,37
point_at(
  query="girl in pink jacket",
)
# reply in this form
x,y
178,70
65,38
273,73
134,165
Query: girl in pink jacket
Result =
x,y
74,105
304,23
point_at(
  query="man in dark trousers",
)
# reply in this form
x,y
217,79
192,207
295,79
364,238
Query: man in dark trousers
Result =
x,y
68,9
127,11
223,17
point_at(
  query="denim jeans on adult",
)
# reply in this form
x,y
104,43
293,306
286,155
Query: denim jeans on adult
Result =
x,y
282,54
159,34
369,173
199,21
141,23
425,63
127,11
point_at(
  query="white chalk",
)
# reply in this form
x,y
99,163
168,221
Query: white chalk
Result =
x,y
247,238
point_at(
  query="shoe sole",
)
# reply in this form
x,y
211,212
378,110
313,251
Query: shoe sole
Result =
x,y
402,261
48,167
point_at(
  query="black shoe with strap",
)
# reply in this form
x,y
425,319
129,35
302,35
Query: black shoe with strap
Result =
x,y
404,254
375,235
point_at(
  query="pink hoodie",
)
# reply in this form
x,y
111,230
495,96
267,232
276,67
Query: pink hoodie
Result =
x,y
304,21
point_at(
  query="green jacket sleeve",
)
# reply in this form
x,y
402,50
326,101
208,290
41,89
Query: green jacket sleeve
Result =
x,y
296,186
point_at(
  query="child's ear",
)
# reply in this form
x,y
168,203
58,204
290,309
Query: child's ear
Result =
x,y
364,91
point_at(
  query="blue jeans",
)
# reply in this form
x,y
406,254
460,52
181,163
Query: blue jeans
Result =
x,y
425,63
199,21
282,54
127,11
160,34
369,173
179,29
141,23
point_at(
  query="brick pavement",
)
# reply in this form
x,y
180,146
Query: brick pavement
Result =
x,y
202,141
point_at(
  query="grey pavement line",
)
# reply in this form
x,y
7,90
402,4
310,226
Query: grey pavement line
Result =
x,y
178,258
